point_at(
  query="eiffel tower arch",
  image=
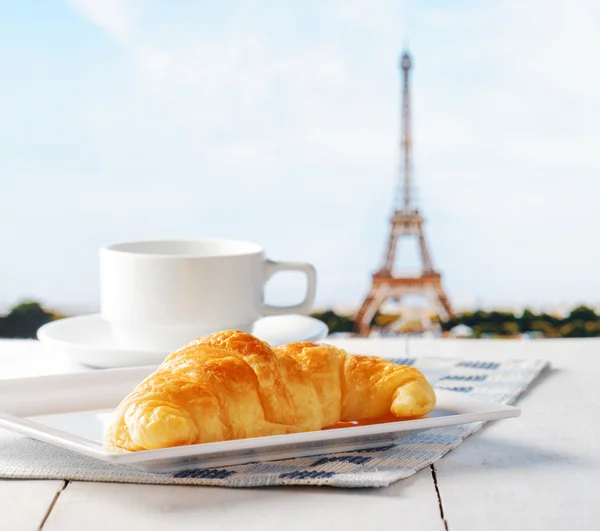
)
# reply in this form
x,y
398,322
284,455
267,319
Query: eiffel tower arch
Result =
x,y
406,221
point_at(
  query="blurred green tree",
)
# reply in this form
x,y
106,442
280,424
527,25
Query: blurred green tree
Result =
x,y
24,320
335,323
583,313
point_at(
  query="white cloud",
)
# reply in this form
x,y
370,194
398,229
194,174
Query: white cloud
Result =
x,y
371,15
116,17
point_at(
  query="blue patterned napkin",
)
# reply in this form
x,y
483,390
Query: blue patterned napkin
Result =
x,y
501,382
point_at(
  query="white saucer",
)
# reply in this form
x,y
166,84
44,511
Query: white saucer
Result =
x,y
88,339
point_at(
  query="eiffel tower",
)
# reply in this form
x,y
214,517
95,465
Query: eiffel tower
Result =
x,y
406,221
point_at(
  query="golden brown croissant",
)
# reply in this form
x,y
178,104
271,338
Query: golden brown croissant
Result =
x,y
231,385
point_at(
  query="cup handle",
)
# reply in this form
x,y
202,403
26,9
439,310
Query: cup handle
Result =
x,y
311,286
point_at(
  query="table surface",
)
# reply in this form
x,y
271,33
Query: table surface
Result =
x,y
539,471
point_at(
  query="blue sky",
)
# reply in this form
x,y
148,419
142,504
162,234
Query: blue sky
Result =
x,y
278,123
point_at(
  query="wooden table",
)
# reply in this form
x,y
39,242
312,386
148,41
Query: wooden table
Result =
x,y
540,471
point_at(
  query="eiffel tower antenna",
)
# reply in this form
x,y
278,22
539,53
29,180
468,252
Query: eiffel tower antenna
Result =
x,y
405,64
406,221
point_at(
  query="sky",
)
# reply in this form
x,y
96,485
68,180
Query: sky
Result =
x,y
278,123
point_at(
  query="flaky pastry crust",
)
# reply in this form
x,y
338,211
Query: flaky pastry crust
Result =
x,y
230,385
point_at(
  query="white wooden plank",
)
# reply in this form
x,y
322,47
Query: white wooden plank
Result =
x,y
505,348
408,504
24,504
539,471
387,348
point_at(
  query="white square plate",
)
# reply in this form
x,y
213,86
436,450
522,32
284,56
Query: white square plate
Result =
x,y
72,411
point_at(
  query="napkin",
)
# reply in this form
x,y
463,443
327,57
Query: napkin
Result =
x,y
503,382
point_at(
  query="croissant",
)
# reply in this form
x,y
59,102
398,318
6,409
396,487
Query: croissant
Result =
x,y
230,385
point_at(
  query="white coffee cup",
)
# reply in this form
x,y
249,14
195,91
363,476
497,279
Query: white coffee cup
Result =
x,y
159,295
